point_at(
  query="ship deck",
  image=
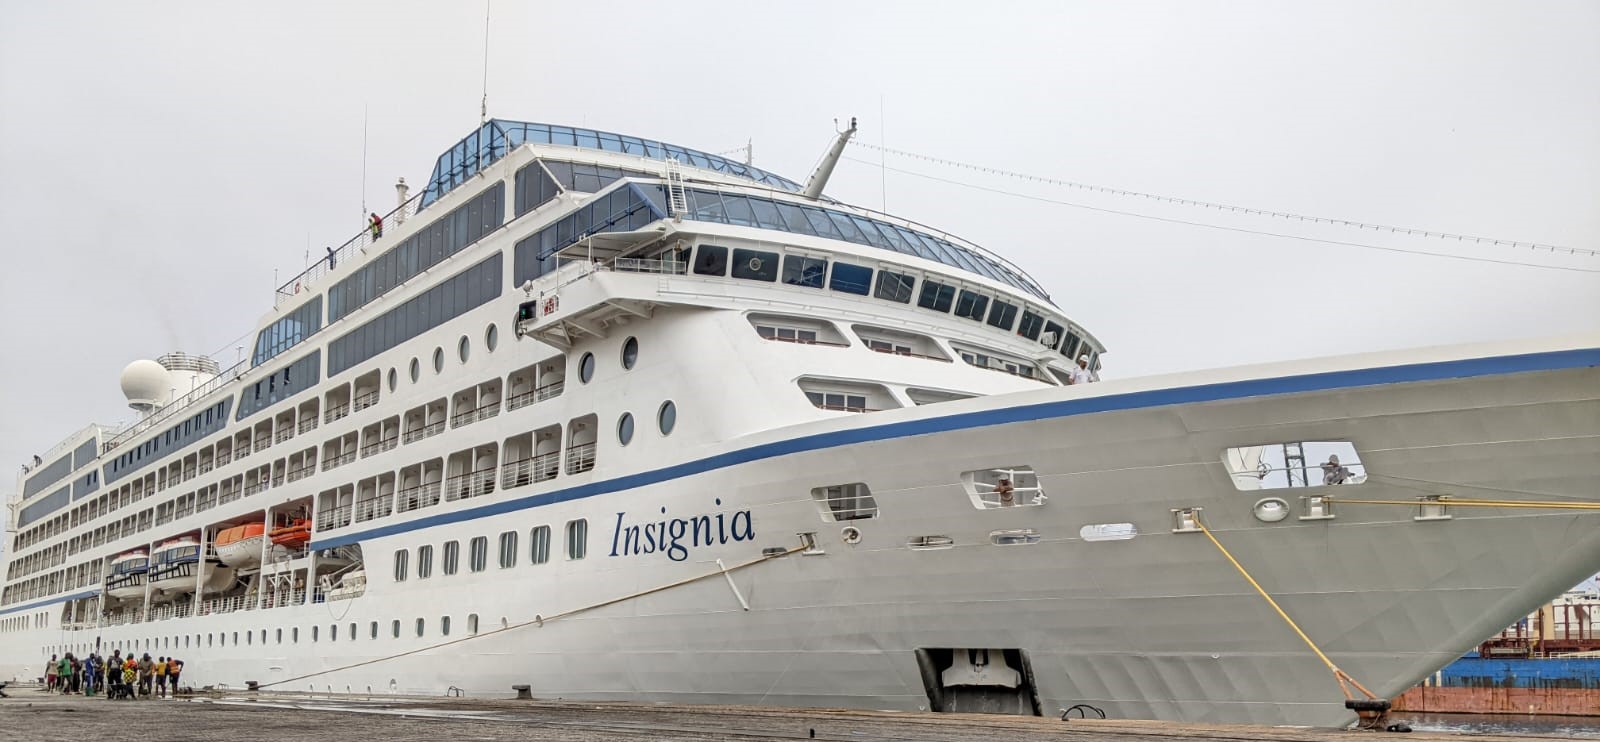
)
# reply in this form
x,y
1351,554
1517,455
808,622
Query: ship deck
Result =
x,y
359,718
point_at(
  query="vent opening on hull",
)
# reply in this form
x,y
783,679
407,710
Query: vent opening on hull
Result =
x,y
978,681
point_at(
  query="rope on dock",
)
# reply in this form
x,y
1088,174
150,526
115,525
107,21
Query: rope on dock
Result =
x,y
539,620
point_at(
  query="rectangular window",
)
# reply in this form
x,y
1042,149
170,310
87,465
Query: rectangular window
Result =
x,y
539,540
895,287
577,538
424,562
1294,464
843,502
452,557
936,296
401,558
1031,324
1002,315
755,265
851,279
971,305
480,553
799,270
508,549
711,260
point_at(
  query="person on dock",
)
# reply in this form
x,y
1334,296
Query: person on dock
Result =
x,y
130,674
50,669
64,674
174,671
146,668
113,673
161,677
90,666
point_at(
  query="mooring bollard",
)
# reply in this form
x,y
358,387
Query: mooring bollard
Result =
x,y
252,685
524,692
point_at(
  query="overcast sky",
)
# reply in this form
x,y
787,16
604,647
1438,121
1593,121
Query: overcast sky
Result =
x,y
159,161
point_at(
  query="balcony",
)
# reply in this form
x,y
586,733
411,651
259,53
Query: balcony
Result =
x,y
426,431
363,401
255,487
465,417
420,496
309,424
374,507
283,435
379,446
332,518
337,412
580,458
539,468
472,484
302,472
340,460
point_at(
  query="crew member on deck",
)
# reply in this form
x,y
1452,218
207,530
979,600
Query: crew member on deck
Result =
x,y
1333,472
376,222
1082,374
1006,492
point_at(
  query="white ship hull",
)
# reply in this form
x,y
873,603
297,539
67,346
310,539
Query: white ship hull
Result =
x,y
1158,626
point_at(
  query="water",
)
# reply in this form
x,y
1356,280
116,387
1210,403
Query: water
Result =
x,y
1567,727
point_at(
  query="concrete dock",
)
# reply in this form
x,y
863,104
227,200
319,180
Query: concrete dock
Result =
x,y
33,716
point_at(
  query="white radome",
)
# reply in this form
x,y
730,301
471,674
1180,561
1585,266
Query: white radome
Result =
x,y
146,384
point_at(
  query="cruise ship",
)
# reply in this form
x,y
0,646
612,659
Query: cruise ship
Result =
x,y
616,419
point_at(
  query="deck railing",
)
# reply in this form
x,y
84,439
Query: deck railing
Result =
x,y
417,434
472,484
331,518
303,282
532,469
419,496
309,424
365,400
580,458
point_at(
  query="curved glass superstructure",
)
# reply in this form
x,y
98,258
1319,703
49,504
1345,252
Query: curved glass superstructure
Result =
x,y
498,137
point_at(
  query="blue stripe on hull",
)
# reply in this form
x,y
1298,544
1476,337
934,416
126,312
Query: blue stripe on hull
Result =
x,y
1552,361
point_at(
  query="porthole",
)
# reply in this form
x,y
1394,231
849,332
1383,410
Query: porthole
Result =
x,y
630,352
438,360
625,428
667,417
394,379
586,368
416,370
491,338
464,348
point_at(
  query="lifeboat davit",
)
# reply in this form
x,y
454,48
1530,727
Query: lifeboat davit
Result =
x,y
241,546
127,575
178,567
294,535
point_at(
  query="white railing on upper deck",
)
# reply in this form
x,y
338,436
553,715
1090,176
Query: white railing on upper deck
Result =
x,y
356,245
644,265
175,406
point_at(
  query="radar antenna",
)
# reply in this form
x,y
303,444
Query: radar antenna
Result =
x,y
825,168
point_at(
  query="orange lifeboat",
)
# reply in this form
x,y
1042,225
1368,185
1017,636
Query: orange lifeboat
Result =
x,y
294,534
240,533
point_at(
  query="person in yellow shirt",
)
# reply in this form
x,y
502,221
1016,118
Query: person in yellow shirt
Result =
x,y
161,677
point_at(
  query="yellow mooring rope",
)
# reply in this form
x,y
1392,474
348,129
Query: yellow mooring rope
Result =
x,y
1345,681
1472,503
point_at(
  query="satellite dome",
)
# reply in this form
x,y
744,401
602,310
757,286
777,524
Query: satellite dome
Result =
x,y
146,384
